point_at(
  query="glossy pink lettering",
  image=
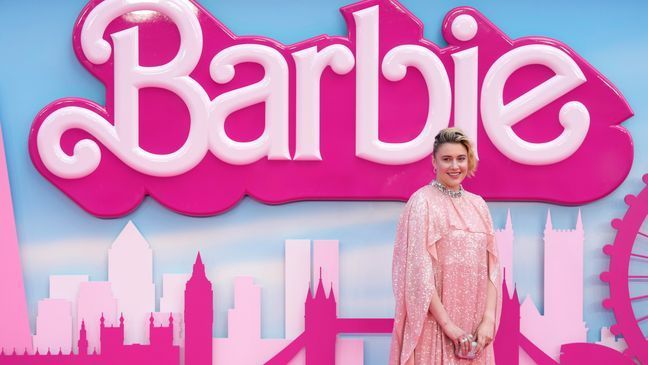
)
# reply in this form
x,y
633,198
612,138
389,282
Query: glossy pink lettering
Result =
x,y
197,117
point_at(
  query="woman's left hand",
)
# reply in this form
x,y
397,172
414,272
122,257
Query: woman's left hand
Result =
x,y
484,334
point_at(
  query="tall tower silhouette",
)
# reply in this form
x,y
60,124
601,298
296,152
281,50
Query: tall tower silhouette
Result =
x,y
507,350
319,324
199,317
13,306
83,341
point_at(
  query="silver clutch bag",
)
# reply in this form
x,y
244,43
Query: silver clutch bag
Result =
x,y
471,354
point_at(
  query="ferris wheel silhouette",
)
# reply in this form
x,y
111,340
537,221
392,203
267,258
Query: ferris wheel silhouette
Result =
x,y
627,274
628,283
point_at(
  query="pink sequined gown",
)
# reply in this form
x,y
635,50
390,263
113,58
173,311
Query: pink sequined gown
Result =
x,y
443,244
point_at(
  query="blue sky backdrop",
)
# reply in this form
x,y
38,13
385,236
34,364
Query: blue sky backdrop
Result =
x,y
38,66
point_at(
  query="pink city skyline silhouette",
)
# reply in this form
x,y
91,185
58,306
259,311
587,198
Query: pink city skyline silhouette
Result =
x,y
312,324
319,338
160,349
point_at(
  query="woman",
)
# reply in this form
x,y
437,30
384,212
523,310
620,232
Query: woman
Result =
x,y
447,284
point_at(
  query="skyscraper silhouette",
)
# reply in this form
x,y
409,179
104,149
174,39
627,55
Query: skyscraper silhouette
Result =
x,y
199,317
130,273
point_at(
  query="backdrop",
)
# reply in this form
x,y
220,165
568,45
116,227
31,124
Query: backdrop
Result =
x,y
57,237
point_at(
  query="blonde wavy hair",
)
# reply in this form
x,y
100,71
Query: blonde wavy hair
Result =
x,y
456,135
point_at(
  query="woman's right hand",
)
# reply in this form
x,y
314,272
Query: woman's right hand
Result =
x,y
460,338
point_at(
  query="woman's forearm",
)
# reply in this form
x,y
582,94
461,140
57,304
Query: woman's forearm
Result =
x,y
491,302
458,336
438,311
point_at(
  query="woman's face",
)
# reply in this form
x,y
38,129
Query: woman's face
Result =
x,y
451,164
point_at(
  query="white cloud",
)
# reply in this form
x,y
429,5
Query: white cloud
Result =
x,y
298,224
95,250
91,252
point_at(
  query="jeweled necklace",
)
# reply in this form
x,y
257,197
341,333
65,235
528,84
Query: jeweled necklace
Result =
x,y
451,193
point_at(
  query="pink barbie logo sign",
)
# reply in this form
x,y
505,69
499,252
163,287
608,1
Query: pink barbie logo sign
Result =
x,y
197,117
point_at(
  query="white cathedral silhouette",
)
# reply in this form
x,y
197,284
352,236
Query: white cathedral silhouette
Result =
x,y
562,321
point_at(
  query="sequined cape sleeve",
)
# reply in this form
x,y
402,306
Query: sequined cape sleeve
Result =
x,y
494,271
413,275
